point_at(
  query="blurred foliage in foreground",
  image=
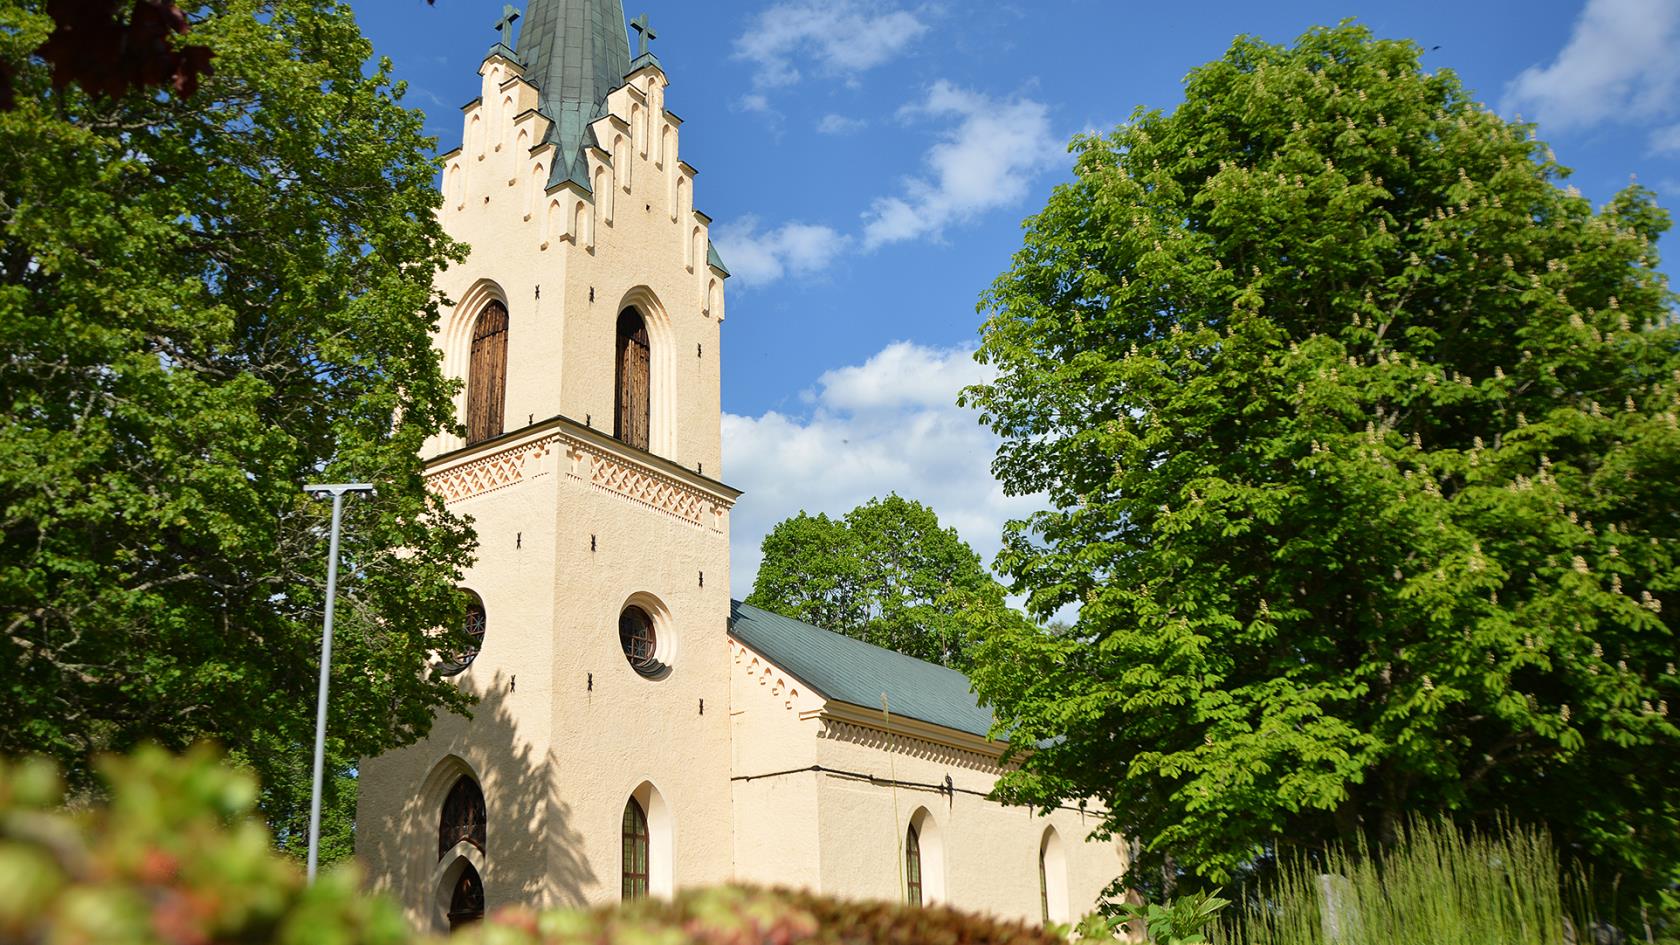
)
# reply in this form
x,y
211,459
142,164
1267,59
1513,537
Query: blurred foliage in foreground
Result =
x,y
176,856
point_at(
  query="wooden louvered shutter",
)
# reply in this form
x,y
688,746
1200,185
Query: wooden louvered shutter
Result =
x,y
630,421
487,374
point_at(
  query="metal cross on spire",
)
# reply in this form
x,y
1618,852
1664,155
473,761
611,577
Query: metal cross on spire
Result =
x,y
644,31
504,26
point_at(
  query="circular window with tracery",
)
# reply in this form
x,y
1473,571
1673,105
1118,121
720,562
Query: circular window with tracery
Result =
x,y
472,630
636,634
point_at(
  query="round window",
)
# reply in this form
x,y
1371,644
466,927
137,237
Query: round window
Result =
x,y
472,630
639,640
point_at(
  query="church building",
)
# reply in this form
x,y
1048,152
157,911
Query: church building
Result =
x,y
637,732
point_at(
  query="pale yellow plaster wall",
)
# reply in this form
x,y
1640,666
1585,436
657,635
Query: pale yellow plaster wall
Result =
x,y
835,831
990,851
776,832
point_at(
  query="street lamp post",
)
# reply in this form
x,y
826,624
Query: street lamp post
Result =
x,y
337,491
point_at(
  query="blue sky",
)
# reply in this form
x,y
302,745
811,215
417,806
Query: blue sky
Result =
x,y
867,164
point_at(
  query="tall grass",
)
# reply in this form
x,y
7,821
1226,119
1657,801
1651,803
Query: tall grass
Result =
x,y
1439,886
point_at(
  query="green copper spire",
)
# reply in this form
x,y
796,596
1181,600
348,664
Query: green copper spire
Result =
x,y
575,52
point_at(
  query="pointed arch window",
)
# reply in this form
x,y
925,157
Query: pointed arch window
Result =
x,y
487,374
1043,889
1052,878
466,902
633,375
913,866
463,817
635,836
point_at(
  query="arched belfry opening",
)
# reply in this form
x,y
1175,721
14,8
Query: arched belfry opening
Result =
x,y
632,379
463,817
487,373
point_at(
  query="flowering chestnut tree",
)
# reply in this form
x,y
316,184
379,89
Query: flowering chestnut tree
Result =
x,y
1358,431
207,301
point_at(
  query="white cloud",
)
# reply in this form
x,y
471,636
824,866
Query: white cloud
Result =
x,y
987,160
987,157
840,125
753,102
1666,140
758,258
837,37
889,424
901,376
1622,63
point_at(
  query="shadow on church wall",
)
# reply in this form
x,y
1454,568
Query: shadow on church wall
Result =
x,y
533,852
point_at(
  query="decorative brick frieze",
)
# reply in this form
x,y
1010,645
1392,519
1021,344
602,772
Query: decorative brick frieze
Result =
x,y
498,470
620,475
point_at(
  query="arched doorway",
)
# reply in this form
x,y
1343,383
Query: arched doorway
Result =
x,y
466,901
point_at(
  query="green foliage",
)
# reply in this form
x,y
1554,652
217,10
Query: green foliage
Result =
x,y
1180,922
887,574
284,801
204,304
172,856
1437,886
1359,435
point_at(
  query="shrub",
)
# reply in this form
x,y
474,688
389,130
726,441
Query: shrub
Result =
x,y
171,855
746,916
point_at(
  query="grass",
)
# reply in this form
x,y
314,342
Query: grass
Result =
x,y
1439,886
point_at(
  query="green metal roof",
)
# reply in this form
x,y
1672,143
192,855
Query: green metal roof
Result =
x,y
714,260
575,52
849,670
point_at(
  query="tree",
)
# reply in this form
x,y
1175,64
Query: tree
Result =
x,y
887,574
1359,436
204,304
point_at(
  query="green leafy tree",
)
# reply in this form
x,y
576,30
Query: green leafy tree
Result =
x,y
887,573
1359,435
206,302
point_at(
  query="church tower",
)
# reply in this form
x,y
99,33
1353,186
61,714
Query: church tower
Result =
x,y
585,325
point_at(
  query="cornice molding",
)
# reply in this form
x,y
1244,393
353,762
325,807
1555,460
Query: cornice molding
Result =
x,y
588,455
848,714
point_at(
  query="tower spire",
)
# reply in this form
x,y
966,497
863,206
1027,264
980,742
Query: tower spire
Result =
x,y
575,52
